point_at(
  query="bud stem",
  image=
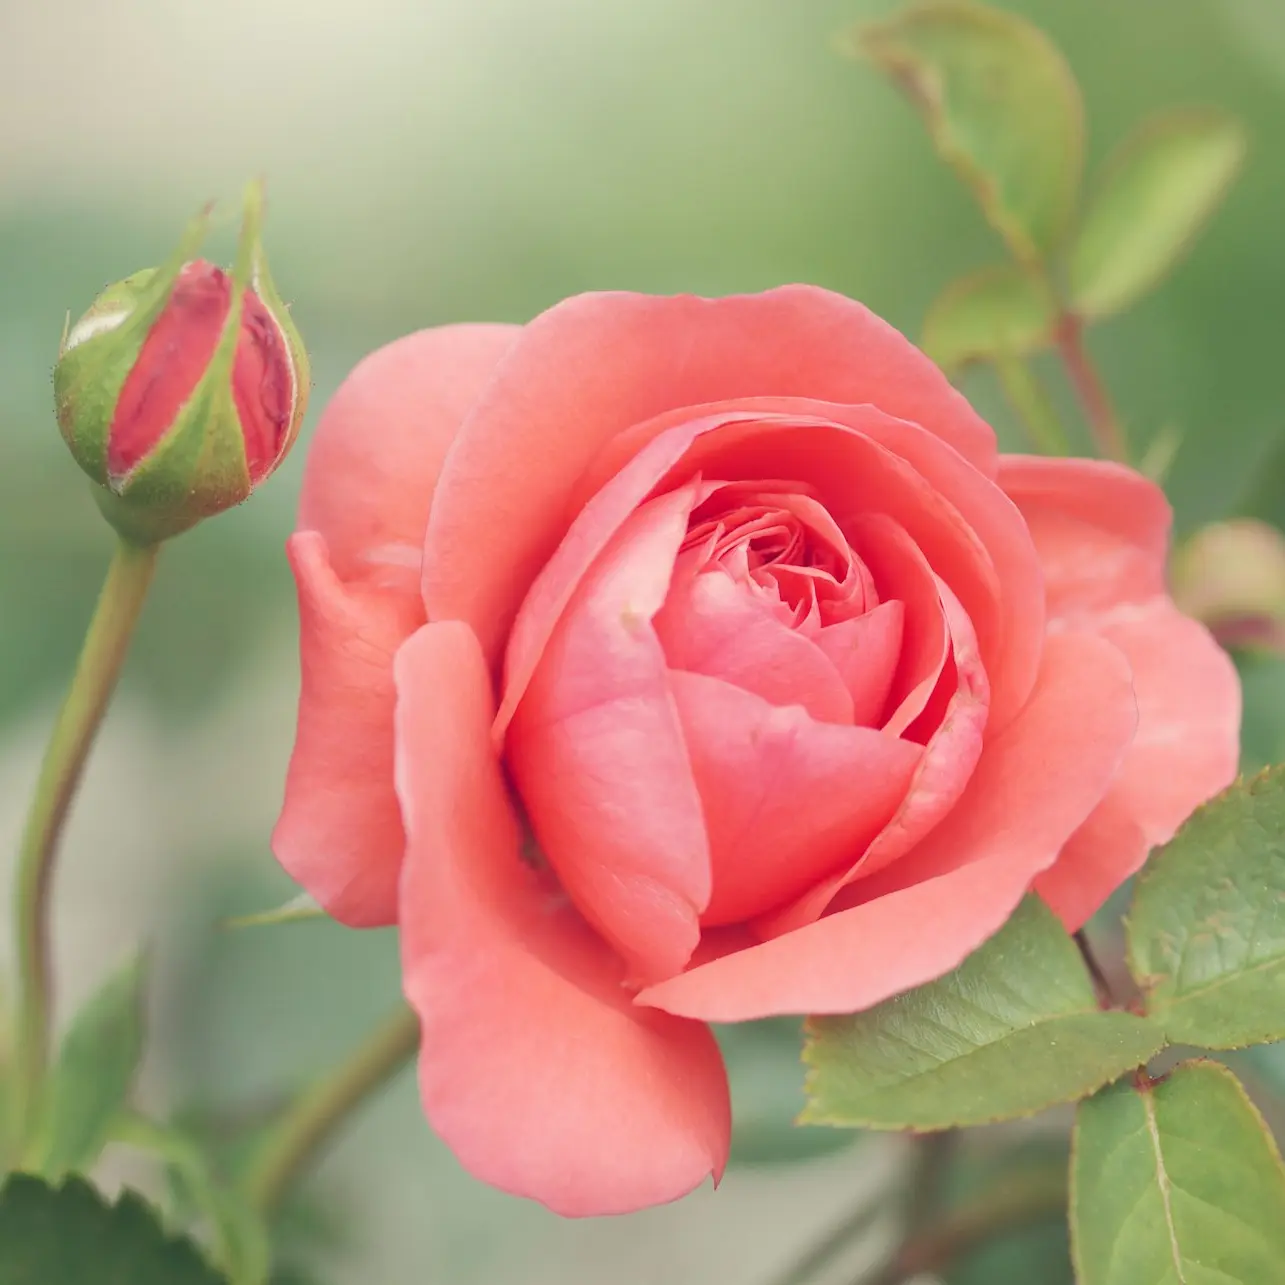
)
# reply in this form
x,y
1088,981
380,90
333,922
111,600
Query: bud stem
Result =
x,y
104,649
1091,390
311,1122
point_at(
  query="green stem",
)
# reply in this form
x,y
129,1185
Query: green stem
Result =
x,y
1029,398
319,1113
1099,409
923,1193
99,665
939,1245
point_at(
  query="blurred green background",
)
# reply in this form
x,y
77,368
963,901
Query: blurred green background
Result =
x,y
442,160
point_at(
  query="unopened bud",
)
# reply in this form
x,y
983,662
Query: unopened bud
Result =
x,y
183,386
1231,576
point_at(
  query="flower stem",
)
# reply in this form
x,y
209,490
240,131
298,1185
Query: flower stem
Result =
x,y
319,1113
102,654
1099,409
938,1245
1028,397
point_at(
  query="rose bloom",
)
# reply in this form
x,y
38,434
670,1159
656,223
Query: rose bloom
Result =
x,y
669,661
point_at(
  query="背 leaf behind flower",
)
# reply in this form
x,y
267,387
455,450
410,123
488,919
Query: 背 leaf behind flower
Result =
x,y
1153,196
996,312
1002,106
1014,1029
1176,1181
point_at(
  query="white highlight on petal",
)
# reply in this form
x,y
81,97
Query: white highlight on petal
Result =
x,y
395,555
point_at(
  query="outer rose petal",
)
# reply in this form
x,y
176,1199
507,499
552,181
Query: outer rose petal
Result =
x,y
1100,529
340,832
535,1068
1034,785
374,459
1187,749
372,466
596,364
596,750
1102,534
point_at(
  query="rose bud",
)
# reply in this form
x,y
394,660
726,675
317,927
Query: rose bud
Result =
x,y
1231,576
183,386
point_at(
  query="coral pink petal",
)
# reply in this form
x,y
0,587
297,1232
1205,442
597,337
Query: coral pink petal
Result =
x,y
596,750
786,798
379,445
940,778
859,461
902,574
1035,783
865,651
340,831
595,365
1186,750
710,624
1101,530
535,1068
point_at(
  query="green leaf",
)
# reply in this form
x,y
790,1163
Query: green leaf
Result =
x,y
1001,105
93,1074
1014,1029
1176,1182
1001,311
1206,931
69,1235
765,1072
1155,194
242,1244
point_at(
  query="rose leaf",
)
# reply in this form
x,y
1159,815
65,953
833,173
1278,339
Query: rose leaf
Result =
x,y
1014,1029
1176,1181
1206,930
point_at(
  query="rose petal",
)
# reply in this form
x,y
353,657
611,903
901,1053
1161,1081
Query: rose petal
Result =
x,y
941,776
1101,530
1186,750
597,752
535,1068
786,798
597,364
1034,785
865,651
712,625
340,831
849,470
379,445
860,461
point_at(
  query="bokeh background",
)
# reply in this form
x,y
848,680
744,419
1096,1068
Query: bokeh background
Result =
x,y
444,160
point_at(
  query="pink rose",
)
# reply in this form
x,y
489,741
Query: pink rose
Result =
x,y
673,660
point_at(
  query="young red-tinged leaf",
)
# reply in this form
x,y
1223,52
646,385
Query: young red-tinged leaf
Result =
x,y
1014,1029
1155,194
1001,104
1206,930
1176,1182
998,312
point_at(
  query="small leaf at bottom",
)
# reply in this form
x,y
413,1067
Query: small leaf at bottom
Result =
x,y
70,1235
1176,1183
